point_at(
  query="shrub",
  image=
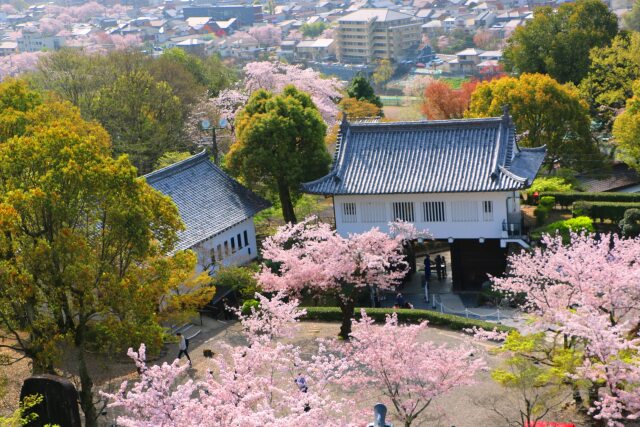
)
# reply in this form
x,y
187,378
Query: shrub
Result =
x,y
450,321
541,213
248,305
564,228
613,211
239,278
551,184
548,202
630,223
567,199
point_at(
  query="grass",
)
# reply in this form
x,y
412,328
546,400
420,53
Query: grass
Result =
x,y
455,82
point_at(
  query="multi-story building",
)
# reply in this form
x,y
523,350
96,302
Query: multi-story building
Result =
x,y
369,35
33,40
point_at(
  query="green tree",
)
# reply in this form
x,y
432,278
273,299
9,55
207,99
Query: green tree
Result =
x,y
279,145
544,113
613,69
558,42
142,116
631,19
313,30
360,89
630,224
82,244
210,72
626,129
383,72
171,157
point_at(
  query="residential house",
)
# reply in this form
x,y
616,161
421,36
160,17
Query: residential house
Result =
x,y
245,14
466,62
315,50
369,35
216,210
460,179
8,48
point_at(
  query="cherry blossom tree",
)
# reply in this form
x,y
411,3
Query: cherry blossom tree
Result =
x,y
246,386
409,373
13,65
588,293
8,9
266,35
311,256
274,77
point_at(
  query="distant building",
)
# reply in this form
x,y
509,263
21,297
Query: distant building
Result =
x,y
369,35
315,50
32,40
8,48
244,14
217,211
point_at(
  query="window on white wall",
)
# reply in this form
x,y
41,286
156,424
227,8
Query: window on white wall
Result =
x,y
246,238
433,212
239,241
226,248
219,250
464,211
233,246
349,212
403,211
487,210
373,212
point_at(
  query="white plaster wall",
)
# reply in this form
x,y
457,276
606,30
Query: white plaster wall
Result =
x,y
241,256
440,230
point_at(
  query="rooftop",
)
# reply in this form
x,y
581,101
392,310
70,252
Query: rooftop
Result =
x,y
443,156
209,200
380,15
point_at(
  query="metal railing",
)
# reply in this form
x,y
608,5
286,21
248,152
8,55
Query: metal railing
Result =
x,y
495,316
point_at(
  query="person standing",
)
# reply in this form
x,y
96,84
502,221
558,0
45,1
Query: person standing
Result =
x,y
183,347
301,383
400,300
427,269
438,270
443,267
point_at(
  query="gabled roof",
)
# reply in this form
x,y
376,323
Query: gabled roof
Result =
x,y
209,200
445,156
379,15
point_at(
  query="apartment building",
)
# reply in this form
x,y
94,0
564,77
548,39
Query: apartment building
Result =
x,y
369,35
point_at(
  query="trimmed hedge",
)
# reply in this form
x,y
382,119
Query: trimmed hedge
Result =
x,y
451,321
613,211
567,199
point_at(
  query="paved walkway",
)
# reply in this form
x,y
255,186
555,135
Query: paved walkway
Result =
x,y
441,296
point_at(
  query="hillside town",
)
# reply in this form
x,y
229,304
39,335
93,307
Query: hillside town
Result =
x,y
332,213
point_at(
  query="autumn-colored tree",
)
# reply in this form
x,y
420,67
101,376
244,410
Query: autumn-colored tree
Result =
x,y
279,145
626,128
557,42
544,113
442,102
82,242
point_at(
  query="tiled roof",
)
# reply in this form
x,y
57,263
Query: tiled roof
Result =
x,y
444,156
380,15
209,200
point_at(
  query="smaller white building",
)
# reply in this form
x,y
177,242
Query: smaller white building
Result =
x,y
216,209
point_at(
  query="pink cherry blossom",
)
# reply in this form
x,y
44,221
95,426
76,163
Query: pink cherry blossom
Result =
x,y
266,35
274,76
589,291
13,65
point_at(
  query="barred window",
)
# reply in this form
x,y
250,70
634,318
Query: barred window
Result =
x,y
487,210
433,212
464,211
349,212
403,211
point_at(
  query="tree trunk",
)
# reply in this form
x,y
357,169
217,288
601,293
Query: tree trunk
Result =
x,y
346,306
286,203
86,384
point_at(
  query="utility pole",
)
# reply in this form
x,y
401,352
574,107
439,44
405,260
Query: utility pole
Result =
x,y
206,125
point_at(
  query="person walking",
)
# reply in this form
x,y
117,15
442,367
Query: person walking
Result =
x,y
400,300
183,347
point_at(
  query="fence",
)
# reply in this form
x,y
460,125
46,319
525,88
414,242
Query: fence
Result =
x,y
495,316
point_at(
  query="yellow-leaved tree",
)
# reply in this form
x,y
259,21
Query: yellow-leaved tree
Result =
x,y
83,242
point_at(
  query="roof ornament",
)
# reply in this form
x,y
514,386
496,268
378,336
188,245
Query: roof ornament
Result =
x,y
505,114
345,123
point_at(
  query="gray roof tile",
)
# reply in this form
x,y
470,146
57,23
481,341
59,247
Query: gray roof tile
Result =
x,y
209,200
467,155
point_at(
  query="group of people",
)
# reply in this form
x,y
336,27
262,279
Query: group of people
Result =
x,y
439,263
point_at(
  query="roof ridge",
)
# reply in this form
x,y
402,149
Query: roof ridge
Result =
x,y
176,167
511,174
457,122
